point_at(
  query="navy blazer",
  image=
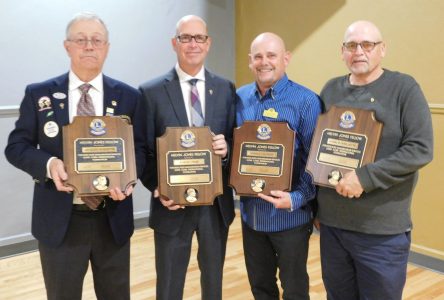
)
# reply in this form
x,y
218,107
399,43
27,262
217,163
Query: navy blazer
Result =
x,y
29,149
165,108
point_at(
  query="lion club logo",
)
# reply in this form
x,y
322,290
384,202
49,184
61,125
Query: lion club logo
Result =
x,y
97,127
347,120
187,139
264,132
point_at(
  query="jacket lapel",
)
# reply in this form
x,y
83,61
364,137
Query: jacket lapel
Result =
x,y
111,97
172,86
59,98
210,98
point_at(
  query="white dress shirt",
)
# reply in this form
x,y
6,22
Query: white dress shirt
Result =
x,y
96,92
186,89
74,93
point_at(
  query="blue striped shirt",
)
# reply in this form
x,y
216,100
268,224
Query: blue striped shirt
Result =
x,y
299,107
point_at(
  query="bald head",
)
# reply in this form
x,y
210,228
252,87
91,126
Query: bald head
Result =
x,y
268,60
365,30
270,39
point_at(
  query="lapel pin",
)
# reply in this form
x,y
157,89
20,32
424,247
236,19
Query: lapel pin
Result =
x,y
59,95
109,111
44,103
62,105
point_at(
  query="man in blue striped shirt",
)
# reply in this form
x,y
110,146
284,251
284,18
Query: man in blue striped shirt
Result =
x,y
276,227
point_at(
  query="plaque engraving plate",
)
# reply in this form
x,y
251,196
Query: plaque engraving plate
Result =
x,y
94,155
188,171
189,167
98,153
262,158
344,139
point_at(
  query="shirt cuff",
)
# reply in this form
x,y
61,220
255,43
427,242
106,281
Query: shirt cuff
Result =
x,y
292,202
48,173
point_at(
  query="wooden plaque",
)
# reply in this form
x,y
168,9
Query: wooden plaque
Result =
x,y
262,158
188,171
345,139
98,153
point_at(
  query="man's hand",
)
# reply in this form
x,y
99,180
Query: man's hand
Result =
x,y
220,145
317,224
279,199
168,203
349,186
117,195
59,175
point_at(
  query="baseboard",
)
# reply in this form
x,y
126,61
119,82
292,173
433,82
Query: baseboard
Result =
x,y
18,248
141,222
427,262
32,245
421,260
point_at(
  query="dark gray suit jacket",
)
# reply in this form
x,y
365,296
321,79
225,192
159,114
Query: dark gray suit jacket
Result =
x,y
165,108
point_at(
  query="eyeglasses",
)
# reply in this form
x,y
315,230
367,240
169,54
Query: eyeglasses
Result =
x,y
95,42
365,45
186,38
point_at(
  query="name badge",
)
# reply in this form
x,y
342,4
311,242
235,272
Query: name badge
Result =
x,y
270,113
51,129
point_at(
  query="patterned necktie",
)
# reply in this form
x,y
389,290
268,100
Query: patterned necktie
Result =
x,y
197,118
85,107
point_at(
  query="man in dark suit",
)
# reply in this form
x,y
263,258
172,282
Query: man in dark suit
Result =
x,y
74,231
168,104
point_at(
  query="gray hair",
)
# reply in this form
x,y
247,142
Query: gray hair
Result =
x,y
189,18
85,16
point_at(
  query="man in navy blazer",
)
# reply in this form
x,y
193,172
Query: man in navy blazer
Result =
x,y
168,104
69,232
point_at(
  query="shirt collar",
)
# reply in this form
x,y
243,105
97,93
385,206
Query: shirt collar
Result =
x,y
75,82
183,77
277,88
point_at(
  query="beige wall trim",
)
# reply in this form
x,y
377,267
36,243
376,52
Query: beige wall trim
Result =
x,y
428,251
436,108
9,111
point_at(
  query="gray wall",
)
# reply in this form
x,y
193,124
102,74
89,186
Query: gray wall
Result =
x,y
32,51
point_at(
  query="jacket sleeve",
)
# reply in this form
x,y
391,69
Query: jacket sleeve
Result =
x,y
22,149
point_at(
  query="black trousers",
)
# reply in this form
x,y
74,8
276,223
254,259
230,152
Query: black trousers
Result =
x,y
266,252
89,239
173,254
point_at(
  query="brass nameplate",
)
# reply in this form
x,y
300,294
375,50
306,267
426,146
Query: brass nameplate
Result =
x,y
189,167
96,155
261,159
340,148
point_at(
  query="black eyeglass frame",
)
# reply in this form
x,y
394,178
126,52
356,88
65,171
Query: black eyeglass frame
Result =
x,y
187,38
